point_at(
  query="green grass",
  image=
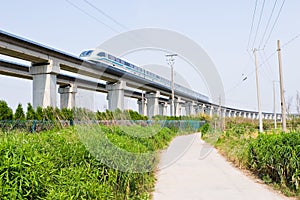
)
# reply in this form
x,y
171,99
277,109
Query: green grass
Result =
x,y
59,164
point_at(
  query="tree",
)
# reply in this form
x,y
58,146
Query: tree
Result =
x,y
30,114
40,113
6,112
19,115
49,113
67,114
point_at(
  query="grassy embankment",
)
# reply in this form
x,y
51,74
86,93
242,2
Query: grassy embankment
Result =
x,y
272,156
62,164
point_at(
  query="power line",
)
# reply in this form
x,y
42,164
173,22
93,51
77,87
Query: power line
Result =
x,y
105,14
291,40
91,16
268,64
134,38
268,23
252,23
259,21
264,69
283,46
268,38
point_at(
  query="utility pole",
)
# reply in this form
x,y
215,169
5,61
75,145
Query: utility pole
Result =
x,y
274,99
258,93
170,60
283,108
143,103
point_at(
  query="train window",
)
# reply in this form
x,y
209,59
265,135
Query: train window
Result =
x,y
82,54
86,53
110,57
101,54
126,63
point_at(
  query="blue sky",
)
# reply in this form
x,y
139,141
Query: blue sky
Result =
x,y
221,28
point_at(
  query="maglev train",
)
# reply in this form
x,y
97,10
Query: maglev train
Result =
x,y
102,56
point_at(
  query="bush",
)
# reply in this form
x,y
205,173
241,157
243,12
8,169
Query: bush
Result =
x,y
276,157
205,129
6,112
19,115
30,114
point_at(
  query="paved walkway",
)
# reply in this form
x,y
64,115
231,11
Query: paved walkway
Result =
x,y
202,174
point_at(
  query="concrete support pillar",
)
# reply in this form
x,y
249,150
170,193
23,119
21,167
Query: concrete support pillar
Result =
x,y
224,111
44,83
254,115
152,104
279,117
163,109
115,95
228,113
142,107
211,111
67,96
197,109
231,113
189,108
250,115
203,109
177,106
234,113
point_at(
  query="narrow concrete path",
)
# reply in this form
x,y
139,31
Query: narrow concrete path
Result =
x,y
202,174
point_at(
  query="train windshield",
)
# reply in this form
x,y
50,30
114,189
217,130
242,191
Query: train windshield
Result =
x,y
101,54
86,53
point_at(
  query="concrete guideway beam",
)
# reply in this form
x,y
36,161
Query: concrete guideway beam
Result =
x,y
115,95
44,83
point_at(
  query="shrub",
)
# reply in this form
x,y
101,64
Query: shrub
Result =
x,y
276,156
19,115
6,112
205,129
30,114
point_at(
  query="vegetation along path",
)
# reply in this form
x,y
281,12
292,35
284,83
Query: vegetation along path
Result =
x,y
201,173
